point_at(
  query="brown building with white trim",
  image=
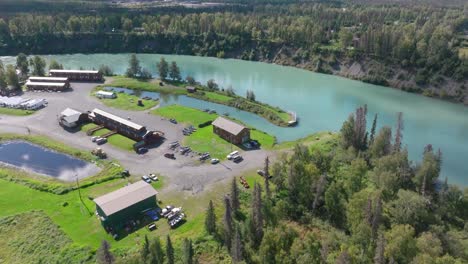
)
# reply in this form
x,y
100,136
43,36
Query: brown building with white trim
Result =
x,y
231,131
78,75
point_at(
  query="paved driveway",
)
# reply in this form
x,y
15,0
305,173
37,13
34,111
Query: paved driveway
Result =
x,y
184,173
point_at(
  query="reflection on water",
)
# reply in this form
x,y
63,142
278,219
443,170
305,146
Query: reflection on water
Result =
x,y
44,161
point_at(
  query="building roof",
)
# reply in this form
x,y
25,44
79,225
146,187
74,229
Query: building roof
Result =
x,y
125,197
191,88
228,125
73,71
45,83
118,119
70,112
37,78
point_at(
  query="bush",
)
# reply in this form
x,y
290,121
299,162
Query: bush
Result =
x,y
205,124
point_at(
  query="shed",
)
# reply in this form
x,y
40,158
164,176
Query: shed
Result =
x,y
71,118
105,94
231,131
117,208
191,89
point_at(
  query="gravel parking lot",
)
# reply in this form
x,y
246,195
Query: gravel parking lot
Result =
x,y
183,173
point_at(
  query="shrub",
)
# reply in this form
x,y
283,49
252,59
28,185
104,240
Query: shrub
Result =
x,y
205,124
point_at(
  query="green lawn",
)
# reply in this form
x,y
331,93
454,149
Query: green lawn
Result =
x,y
184,114
15,112
19,236
129,102
115,140
145,85
217,96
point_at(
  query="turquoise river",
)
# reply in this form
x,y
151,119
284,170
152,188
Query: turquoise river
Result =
x,y
322,102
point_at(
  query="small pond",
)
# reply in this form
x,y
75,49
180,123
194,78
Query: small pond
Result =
x,y
169,99
44,161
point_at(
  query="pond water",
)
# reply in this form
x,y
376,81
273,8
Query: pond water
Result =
x,y
322,102
40,160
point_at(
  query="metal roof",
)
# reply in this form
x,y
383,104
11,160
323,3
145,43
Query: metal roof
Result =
x,y
228,125
125,197
73,71
45,83
70,112
38,78
118,119
105,93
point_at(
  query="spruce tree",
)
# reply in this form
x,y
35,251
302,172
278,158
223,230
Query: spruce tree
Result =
x,y
210,220
373,130
134,68
266,175
169,251
257,216
174,72
145,250
156,252
187,251
235,203
227,222
22,63
163,69
236,249
103,254
398,133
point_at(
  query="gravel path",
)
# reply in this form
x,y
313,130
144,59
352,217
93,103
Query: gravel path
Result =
x,y
184,173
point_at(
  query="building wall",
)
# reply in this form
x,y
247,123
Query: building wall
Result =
x,y
242,137
79,76
134,212
110,124
53,88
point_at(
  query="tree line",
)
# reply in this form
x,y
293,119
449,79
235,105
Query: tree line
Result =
x,y
358,199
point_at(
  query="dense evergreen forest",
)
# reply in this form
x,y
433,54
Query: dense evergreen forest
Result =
x,y
419,48
354,199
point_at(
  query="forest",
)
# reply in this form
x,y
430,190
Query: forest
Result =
x,y
419,48
354,199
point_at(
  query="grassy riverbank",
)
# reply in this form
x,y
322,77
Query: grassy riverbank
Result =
x,y
204,140
128,102
274,115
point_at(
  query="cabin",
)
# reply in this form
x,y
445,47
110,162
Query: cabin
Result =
x,y
78,75
47,86
106,95
116,209
231,131
191,89
71,118
118,124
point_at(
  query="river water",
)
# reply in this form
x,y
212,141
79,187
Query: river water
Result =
x,y
322,102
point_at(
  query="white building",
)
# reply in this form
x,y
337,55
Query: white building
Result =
x,y
106,94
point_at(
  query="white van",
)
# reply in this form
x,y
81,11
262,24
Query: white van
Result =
x,y
232,154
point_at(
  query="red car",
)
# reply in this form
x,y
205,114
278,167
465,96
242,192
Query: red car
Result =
x,y
169,155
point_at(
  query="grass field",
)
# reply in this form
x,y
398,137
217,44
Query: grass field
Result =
x,y
217,97
149,85
15,112
203,140
129,102
184,114
115,140
19,236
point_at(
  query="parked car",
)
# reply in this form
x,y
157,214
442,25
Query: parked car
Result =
x,y
232,154
142,150
173,121
214,161
169,155
146,178
151,226
255,143
237,158
205,156
153,177
101,141
125,173
94,138
261,172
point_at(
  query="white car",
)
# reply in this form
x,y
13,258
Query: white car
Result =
x,y
146,179
94,138
153,177
214,161
232,154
